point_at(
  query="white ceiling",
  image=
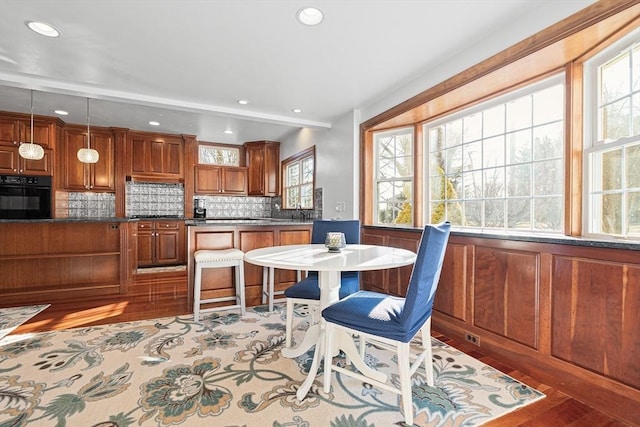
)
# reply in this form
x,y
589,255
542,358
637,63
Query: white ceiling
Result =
x,y
185,63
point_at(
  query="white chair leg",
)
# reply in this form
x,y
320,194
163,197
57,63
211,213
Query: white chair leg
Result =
x,y
428,350
404,367
265,284
240,287
271,289
197,284
289,324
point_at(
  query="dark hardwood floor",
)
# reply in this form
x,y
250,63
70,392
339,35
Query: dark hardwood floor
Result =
x,y
160,295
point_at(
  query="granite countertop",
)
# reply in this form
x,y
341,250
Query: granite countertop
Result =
x,y
199,222
62,220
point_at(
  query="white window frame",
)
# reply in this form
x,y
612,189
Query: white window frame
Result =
x,y
595,144
407,179
299,159
484,106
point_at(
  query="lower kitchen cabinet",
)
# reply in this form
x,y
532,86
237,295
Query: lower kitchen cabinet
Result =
x,y
220,282
161,243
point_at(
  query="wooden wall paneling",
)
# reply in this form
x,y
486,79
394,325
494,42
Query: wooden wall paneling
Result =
x,y
451,296
506,293
596,308
374,280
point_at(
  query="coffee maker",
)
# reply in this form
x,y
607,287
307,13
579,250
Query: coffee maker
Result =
x,y
199,209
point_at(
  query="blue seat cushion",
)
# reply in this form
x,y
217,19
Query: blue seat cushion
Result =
x,y
308,288
373,313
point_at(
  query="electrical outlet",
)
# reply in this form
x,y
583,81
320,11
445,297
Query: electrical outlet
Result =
x,y
473,339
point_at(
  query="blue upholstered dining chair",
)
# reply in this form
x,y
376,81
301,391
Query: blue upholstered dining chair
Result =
x,y
390,322
307,291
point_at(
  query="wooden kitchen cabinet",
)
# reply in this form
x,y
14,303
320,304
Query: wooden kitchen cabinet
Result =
x,y
78,176
263,168
227,180
160,243
155,157
14,130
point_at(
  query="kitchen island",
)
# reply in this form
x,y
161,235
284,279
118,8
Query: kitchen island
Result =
x,y
42,260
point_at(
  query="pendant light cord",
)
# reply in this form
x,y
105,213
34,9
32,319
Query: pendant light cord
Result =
x,y
88,134
31,116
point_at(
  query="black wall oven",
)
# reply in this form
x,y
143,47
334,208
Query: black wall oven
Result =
x,y
25,197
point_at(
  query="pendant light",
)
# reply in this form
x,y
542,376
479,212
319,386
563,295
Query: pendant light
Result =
x,y
88,155
30,150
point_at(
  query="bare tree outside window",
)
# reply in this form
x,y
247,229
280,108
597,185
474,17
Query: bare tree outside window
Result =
x,y
394,177
501,166
613,153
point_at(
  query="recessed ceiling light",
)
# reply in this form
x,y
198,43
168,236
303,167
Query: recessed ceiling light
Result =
x,y
310,16
296,110
43,28
243,102
61,112
154,123
228,132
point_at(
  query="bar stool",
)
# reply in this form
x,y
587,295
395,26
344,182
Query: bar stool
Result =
x,y
217,259
268,291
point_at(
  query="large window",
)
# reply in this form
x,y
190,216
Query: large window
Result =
x,y
499,165
394,176
298,180
612,148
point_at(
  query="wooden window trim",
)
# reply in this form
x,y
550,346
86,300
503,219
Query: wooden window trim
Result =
x,y
560,47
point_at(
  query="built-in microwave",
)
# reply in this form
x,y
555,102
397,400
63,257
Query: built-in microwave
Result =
x,y
25,197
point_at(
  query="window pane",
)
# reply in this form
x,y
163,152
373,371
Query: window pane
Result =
x,y
632,160
633,213
404,166
436,138
615,79
493,183
636,68
453,133
307,170
611,213
519,180
615,120
547,141
519,147
473,213
386,168
548,178
472,156
612,170
386,147
454,159
548,105
293,174
494,213
293,197
519,114
519,213
472,128
547,213
493,121
493,151
306,196
472,185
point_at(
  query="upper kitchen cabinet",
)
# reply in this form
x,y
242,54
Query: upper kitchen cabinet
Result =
x,y
263,167
15,129
227,180
78,176
157,158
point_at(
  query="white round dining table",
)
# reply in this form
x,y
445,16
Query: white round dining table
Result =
x,y
329,265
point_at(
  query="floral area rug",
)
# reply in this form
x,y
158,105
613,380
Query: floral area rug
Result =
x,y
12,317
224,371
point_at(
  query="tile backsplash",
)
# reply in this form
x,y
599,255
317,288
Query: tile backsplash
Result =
x,y
237,207
91,205
168,199
143,198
